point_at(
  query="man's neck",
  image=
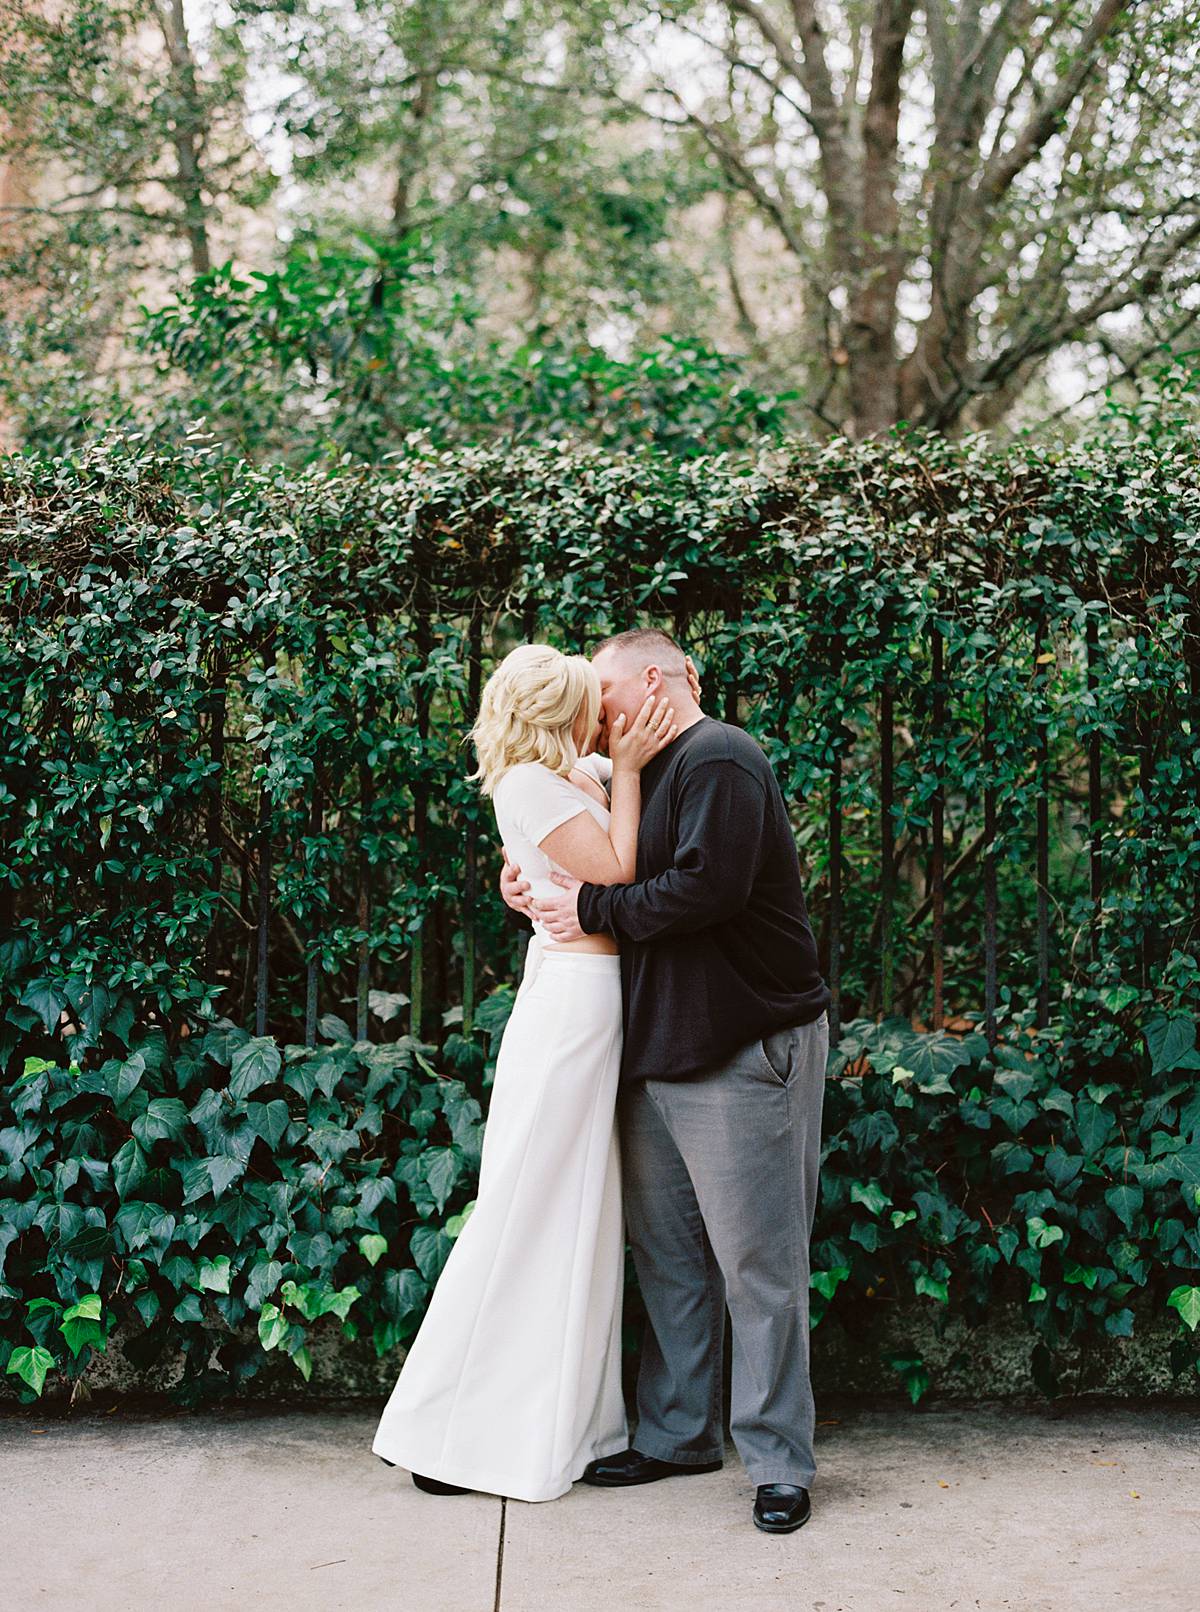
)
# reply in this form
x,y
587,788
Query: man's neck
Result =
x,y
689,718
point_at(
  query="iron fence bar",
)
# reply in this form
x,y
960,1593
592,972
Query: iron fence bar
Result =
x,y
362,894
1194,739
416,990
262,965
316,824
937,865
1042,827
990,905
835,895
1145,782
1095,803
215,806
887,848
471,871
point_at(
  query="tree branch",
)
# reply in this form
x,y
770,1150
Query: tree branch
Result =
x,y
1004,167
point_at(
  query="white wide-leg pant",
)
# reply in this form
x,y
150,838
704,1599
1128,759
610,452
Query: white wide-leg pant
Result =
x,y
513,1382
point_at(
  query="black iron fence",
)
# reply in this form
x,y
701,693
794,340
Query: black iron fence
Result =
x,y
236,701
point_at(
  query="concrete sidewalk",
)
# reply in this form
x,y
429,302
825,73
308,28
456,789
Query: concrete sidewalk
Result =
x,y
983,1507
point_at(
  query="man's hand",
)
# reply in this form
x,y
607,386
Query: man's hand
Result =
x,y
514,888
560,914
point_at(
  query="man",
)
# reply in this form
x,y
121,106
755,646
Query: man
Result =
x,y
726,1036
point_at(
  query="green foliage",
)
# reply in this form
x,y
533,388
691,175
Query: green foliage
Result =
x,y
153,1188
320,623
350,349
169,1201
1027,1172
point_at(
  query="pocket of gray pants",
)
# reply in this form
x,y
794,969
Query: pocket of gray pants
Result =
x,y
775,1050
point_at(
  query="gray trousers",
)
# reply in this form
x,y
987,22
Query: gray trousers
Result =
x,y
720,1175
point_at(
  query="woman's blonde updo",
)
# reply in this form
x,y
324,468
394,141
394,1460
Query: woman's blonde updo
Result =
x,y
528,711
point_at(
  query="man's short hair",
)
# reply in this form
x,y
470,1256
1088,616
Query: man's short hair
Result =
x,y
650,645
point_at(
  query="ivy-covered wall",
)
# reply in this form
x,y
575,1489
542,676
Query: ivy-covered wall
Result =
x,y
253,966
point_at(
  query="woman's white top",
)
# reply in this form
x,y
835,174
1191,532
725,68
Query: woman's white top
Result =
x,y
530,802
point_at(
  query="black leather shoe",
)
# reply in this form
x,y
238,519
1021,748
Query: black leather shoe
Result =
x,y
631,1466
436,1486
780,1508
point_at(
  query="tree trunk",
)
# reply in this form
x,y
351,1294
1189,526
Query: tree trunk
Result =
x,y
871,331
187,133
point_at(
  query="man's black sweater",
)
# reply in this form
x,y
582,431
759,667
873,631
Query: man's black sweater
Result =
x,y
716,946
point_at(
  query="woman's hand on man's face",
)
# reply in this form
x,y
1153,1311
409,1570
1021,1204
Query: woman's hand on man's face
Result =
x,y
693,677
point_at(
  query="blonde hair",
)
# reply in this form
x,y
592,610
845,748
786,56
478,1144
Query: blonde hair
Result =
x,y
528,710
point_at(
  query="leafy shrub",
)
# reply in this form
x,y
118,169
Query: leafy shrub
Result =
x,y
1027,1173
232,708
184,1193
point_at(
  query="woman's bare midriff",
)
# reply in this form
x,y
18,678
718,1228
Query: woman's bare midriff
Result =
x,y
605,944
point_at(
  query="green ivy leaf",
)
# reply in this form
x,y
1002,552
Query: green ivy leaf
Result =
x,y
189,1309
1125,1201
269,1120
47,999
239,1214
31,1365
1062,1167
142,1223
430,1248
224,1172
197,1182
214,1274
147,1303
1084,1274
128,1167
456,1223
1186,1300
1094,1125
441,1169
93,1242
163,1120
126,1077
272,1327
403,1293
828,1282
1185,1166
1171,1040
86,1308
1040,1234
372,1247
254,1064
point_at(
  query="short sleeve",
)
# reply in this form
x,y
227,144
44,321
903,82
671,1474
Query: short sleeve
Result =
x,y
537,800
597,766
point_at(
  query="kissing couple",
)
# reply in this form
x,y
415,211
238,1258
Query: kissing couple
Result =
x,y
661,1076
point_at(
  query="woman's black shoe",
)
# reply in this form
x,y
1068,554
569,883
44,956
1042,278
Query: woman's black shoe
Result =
x,y
436,1486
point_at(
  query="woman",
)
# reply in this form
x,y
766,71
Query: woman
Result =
x,y
513,1382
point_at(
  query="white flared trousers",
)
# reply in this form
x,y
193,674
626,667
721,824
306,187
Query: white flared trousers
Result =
x,y
513,1382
